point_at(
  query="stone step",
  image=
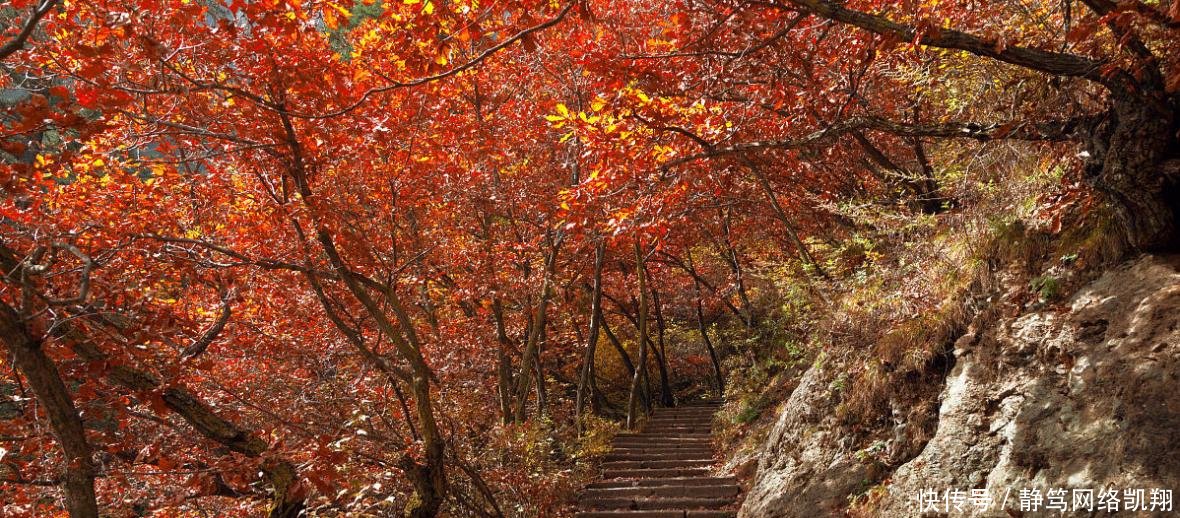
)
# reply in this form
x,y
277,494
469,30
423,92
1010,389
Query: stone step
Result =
x,y
657,447
657,455
657,514
659,443
661,446
669,436
669,491
644,504
656,472
656,482
623,442
677,430
651,464
663,471
705,449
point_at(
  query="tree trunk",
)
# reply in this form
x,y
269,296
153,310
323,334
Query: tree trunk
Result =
x,y
430,483
585,382
696,276
279,473
731,258
78,472
618,345
641,370
529,355
700,310
503,363
1135,161
666,398
429,476
781,213
542,392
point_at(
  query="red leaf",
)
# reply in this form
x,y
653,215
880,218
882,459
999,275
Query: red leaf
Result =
x,y
87,97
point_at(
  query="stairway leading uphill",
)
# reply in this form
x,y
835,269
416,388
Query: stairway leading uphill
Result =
x,y
665,471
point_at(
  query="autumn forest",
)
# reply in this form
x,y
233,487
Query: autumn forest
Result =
x,y
428,257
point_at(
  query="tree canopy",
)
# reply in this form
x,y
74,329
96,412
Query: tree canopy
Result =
x,y
292,256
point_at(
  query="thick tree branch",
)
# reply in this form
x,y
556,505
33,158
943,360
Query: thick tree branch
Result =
x,y
17,43
1129,40
1056,63
1053,131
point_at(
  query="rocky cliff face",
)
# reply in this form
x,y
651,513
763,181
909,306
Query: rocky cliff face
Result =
x,y
1081,396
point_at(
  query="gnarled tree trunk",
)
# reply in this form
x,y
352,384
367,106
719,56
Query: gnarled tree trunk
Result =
x,y
79,471
1135,161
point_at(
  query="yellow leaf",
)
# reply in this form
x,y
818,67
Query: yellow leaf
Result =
x,y
642,96
561,108
360,75
345,12
597,104
441,59
428,8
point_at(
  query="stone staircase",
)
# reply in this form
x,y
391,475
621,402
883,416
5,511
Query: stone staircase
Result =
x,y
665,471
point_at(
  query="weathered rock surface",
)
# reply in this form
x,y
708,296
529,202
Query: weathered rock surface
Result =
x,y
803,469
1082,398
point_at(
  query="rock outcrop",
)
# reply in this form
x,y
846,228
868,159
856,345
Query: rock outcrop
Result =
x,y
1084,395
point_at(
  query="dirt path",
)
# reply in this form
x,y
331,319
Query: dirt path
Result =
x,y
665,471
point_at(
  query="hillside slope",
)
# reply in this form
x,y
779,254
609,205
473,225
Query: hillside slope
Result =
x,y
1080,395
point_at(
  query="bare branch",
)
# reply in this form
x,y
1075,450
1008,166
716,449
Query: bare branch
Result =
x,y
207,338
26,31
